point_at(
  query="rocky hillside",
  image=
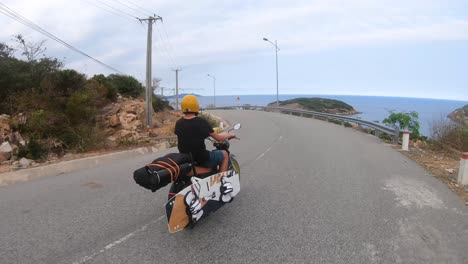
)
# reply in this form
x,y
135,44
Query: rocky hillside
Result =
x,y
460,115
319,105
122,125
124,120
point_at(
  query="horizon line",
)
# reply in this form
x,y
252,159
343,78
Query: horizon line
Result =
x,y
288,94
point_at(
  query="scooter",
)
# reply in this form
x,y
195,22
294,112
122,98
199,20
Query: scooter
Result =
x,y
200,172
195,197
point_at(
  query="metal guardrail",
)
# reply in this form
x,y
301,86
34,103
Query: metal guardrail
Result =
x,y
393,132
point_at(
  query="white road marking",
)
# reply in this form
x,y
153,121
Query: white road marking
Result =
x,y
269,148
118,241
263,154
259,157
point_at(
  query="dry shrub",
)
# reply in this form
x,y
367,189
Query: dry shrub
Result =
x,y
446,134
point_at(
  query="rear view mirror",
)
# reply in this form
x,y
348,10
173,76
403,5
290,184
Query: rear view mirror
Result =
x,y
237,126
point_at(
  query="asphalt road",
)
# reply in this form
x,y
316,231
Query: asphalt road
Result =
x,y
312,192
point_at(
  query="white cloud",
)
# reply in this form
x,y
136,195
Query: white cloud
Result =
x,y
209,31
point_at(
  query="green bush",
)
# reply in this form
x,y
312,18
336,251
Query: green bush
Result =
x,y
404,120
106,88
126,85
80,107
60,105
33,150
160,104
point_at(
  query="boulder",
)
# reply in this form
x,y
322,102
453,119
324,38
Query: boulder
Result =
x,y
24,162
114,120
124,134
131,108
138,124
130,117
6,147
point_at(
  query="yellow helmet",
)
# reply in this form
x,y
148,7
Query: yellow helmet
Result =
x,y
190,104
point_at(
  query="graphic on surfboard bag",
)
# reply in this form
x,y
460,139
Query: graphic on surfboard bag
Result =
x,y
200,198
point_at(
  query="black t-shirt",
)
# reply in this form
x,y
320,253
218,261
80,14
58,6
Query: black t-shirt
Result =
x,y
191,134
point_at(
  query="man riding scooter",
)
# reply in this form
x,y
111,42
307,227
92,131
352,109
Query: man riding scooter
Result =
x,y
191,131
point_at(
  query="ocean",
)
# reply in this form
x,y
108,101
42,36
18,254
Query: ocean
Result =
x,y
372,108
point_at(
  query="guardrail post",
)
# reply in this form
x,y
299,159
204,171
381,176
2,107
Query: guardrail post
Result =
x,y
405,141
396,135
377,133
463,171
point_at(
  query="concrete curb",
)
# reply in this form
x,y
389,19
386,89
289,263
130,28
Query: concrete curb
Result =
x,y
73,165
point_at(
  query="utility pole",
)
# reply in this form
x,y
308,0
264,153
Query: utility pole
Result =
x,y
214,88
177,87
149,89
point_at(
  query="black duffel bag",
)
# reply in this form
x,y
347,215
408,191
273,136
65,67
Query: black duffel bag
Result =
x,y
163,171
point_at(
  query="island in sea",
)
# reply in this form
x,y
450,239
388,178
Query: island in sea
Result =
x,y
323,105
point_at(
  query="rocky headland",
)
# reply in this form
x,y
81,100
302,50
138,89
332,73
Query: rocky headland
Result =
x,y
323,105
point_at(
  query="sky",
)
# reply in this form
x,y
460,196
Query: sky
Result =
x,y
404,48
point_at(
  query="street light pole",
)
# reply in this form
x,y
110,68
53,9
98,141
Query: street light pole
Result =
x,y
276,49
214,89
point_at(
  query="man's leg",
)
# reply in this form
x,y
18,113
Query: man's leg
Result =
x,y
224,163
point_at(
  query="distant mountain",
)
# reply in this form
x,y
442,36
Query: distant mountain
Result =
x,y
460,115
319,105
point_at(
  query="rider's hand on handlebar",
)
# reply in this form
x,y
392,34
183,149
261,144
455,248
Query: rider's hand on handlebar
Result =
x,y
231,135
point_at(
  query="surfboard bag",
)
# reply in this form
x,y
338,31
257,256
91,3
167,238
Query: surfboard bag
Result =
x,y
162,171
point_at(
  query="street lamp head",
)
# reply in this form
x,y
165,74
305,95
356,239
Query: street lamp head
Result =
x,y
265,39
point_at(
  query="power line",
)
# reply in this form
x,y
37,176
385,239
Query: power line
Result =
x,y
141,8
14,15
167,37
108,10
136,10
164,44
166,48
118,10
164,53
